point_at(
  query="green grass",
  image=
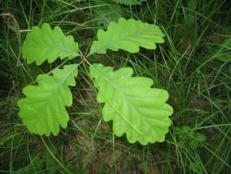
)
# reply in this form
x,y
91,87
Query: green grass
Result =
x,y
199,140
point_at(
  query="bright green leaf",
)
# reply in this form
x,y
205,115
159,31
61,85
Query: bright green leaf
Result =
x,y
135,108
43,110
43,44
127,35
129,2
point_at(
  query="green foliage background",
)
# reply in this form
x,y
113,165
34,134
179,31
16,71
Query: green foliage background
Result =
x,y
193,65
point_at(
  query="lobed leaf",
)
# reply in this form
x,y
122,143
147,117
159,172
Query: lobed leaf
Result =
x,y
135,108
127,35
44,108
43,44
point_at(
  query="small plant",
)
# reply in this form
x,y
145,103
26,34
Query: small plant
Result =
x,y
189,138
136,109
129,2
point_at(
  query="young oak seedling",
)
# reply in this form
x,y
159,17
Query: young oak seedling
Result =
x,y
136,109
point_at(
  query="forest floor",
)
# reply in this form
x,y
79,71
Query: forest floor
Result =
x,y
193,65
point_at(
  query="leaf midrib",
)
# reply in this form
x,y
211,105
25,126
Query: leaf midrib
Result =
x,y
124,98
126,37
56,90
